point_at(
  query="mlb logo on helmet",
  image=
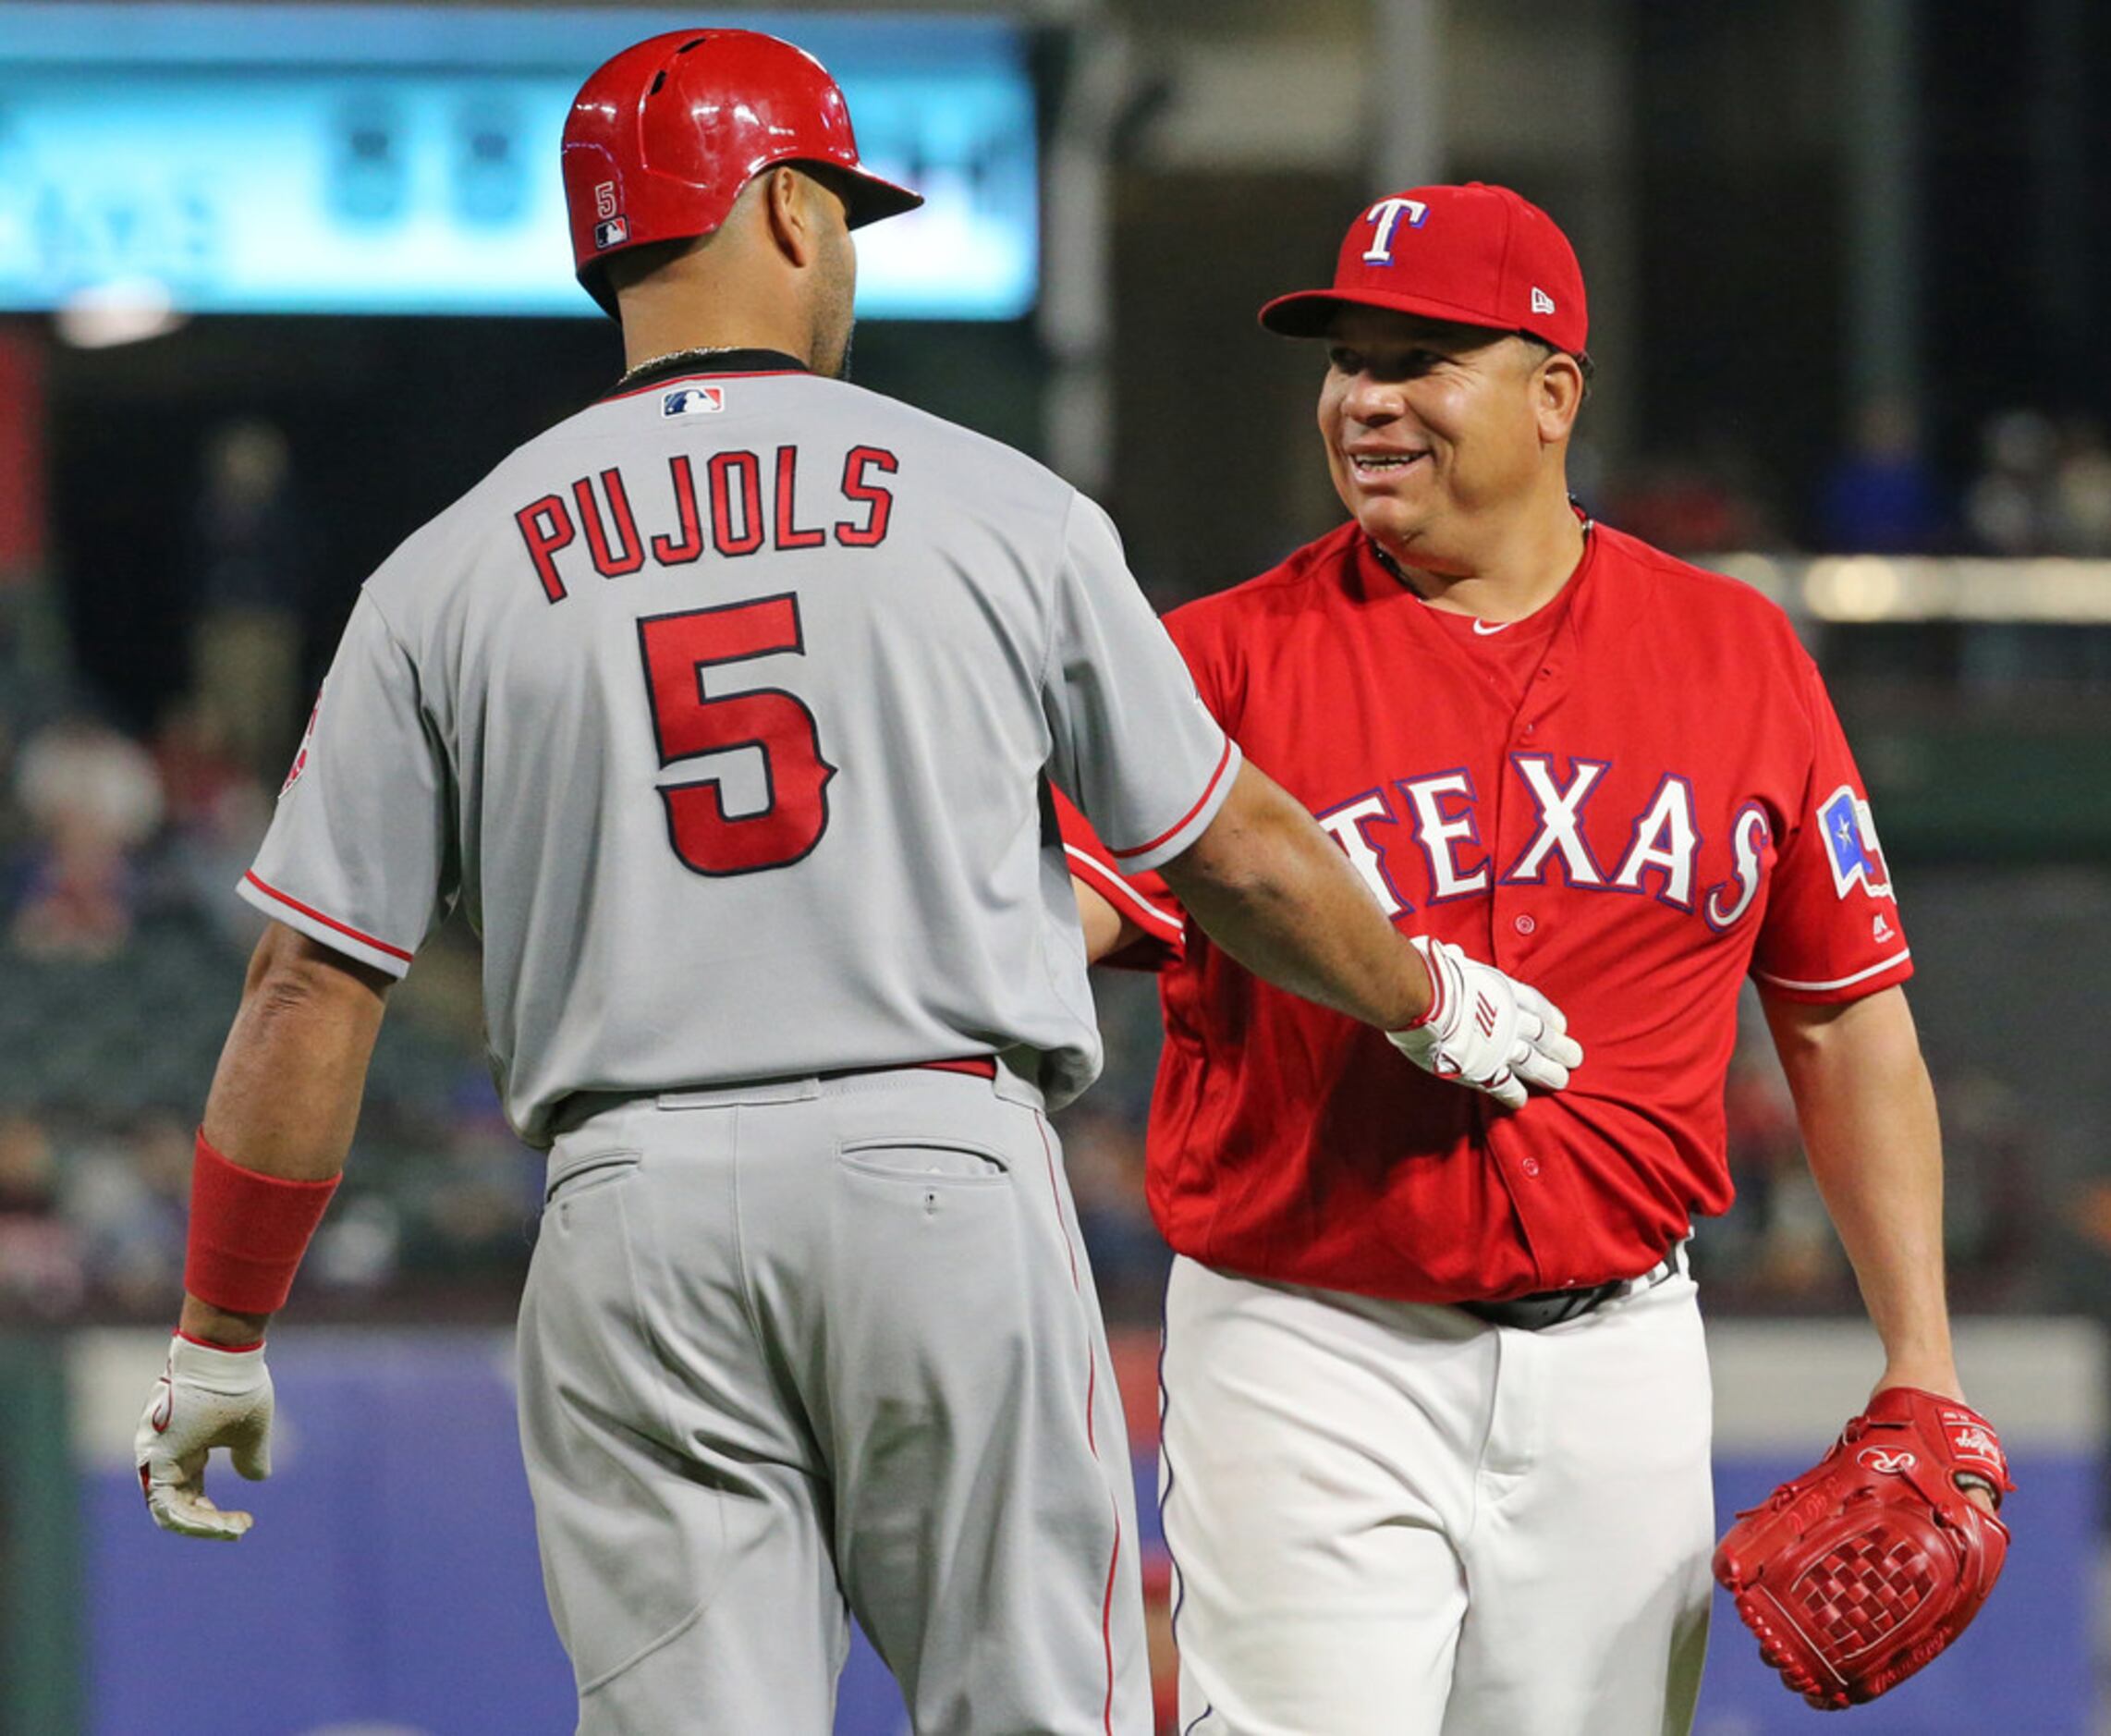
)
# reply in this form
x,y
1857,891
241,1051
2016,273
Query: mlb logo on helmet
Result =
x,y
694,400
1850,844
613,232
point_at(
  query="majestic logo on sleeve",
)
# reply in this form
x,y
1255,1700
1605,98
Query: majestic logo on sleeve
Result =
x,y
1850,844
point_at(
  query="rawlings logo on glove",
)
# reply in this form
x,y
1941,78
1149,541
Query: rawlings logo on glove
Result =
x,y
1857,1572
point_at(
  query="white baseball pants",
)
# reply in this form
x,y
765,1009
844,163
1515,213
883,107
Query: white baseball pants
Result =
x,y
789,1350
1391,1518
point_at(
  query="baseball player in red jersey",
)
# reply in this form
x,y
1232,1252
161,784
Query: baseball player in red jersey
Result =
x,y
1436,1405
727,710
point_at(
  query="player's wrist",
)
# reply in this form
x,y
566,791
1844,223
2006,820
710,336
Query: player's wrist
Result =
x,y
1437,997
217,1329
248,1233
216,1367
1934,1374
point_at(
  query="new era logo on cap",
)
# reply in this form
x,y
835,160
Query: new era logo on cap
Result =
x,y
1540,301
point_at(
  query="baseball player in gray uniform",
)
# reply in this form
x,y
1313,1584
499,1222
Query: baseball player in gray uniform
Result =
x,y
727,709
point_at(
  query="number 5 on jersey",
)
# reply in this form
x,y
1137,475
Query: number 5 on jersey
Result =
x,y
686,723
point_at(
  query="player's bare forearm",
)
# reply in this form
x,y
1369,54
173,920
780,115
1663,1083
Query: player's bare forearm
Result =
x,y
1270,888
1107,929
1868,1115
285,1095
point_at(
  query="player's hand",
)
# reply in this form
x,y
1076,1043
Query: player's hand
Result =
x,y
206,1396
1486,1030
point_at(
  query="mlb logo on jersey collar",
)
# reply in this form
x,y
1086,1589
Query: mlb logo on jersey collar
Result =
x,y
693,400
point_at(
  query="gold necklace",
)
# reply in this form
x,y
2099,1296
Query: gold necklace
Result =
x,y
700,353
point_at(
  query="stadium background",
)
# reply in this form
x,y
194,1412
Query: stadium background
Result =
x,y
1847,266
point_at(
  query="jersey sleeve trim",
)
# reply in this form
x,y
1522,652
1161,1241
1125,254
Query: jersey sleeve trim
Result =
x,y
326,929
1127,901
1897,958
1213,792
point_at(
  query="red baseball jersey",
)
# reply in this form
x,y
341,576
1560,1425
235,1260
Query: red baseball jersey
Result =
x,y
1629,799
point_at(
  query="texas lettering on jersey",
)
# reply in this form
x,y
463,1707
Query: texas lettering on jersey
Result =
x,y
1429,829
747,500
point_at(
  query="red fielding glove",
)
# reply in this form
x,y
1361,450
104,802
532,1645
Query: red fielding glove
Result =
x,y
1860,1570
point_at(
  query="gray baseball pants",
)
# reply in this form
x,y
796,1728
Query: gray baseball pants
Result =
x,y
795,1351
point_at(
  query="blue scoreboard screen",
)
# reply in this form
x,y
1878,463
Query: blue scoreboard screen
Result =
x,y
394,159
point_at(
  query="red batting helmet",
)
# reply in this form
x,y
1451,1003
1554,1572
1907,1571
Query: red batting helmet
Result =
x,y
662,138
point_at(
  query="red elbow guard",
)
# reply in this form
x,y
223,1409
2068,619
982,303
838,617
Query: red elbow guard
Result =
x,y
247,1233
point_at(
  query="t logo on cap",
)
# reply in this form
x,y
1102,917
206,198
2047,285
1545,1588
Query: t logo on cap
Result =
x,y
1386,216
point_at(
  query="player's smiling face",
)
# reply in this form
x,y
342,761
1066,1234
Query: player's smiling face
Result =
x,y
1429,426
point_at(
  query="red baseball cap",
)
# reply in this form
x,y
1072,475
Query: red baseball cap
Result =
x,y
1477,254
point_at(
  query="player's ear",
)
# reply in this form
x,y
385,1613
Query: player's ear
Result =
x,y
788,200
1557,395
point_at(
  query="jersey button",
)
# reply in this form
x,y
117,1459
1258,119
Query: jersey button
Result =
x,y
1525,922
1529,1166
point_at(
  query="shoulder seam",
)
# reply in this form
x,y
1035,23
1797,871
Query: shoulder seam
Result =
x,y
367,596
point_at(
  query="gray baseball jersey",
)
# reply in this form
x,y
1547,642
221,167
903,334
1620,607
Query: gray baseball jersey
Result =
x,y
723,708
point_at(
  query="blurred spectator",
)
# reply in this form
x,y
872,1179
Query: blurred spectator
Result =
x,y
1702,504
357,1248
2081,491
1775,1247
251,577
40,1258
218,811
480,1196
1992,1210
128,1198
91,798
2010,506
1881,497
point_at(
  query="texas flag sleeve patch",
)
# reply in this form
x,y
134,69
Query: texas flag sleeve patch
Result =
x,y
1850,844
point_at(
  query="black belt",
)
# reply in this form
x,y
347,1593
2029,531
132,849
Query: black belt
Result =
x,y
1545,1308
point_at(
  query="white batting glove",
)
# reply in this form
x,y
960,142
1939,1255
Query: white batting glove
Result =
x,y
1486,1030
205,1397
